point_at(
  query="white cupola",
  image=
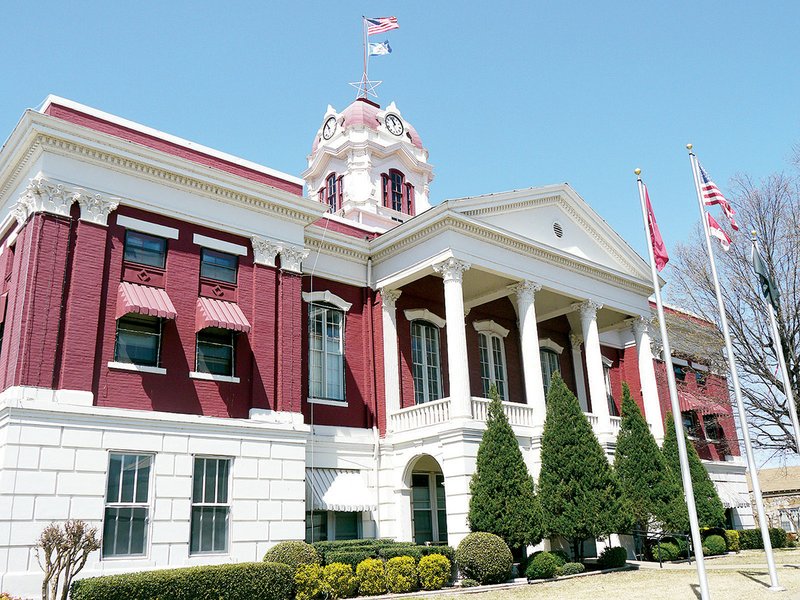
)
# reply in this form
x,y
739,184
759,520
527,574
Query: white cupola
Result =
x,y
369,166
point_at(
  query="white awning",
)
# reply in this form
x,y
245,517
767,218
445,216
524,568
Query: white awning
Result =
x,y
731,495
338,489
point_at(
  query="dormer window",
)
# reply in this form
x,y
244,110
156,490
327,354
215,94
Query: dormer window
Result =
x,y
397,193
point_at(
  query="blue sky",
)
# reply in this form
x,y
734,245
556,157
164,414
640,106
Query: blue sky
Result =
x,y
504,94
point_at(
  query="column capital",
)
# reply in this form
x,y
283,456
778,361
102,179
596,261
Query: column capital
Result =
x,y
452,269
43,195
640,325
389,298
576,341
587,309
525,290
94,207
265,251
292,258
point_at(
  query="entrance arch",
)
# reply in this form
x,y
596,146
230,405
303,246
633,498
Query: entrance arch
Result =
x,y
428,504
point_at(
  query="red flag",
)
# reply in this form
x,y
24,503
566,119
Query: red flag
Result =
x,y
659,249
716,231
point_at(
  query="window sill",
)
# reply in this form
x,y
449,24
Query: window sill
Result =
x,y
326,402
212,377
139,368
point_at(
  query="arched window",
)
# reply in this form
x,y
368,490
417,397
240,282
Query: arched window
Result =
x,y
426,364
550,366
332,192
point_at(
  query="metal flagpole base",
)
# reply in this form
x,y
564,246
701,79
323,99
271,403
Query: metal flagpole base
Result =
x,y
776,588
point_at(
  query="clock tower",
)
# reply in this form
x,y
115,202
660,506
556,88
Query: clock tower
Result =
x,y
368,165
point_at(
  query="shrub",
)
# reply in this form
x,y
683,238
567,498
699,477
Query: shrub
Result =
x,y
778,537
750,539
732,540
62,553
613,557
543,566
339,581
570,568
714,545
789,544
469,583
434,571
391,552
401,575
293,554
484,557
308,582
683,547
352,558
446,551
665,551
7,596
371,577
240,581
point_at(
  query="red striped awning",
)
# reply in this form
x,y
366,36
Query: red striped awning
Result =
x,y
703,406
144,300
219,313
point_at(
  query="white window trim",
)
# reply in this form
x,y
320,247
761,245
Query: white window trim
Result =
x,y
328,298
150,506
229,504
489,334
425,367
607,362
489,326
327,402
213,377
163,231
423,314
548,344
121,366
221,245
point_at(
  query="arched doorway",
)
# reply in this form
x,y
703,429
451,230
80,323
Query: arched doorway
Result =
x,y
428,505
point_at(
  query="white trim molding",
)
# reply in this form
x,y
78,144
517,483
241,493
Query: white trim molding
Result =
x,y
139,368
147,227
549,344
213,377
339,403
489,326
607,362
220,245
328,298
423,314
265,251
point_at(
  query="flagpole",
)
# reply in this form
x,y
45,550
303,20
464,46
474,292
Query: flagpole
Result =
x,y
737,390
787,384
677,422
365,78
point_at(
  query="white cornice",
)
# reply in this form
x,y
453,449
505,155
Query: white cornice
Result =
x,y
325,153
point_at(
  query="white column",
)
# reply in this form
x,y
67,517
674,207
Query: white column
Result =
x,y
391,358
576,341
647,377
529,340
594,363
457,366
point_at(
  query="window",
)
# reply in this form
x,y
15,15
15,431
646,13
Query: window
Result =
x,y
138,340
217,265
210,506
680,372
326,352
144,249
332,193
324,526
396,180
550,366
690,424
612,406
316,526
215,351
426,368
127,505
428,508
714,431
493,363
700,378
397,194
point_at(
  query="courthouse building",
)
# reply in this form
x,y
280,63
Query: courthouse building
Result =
x,y
203,356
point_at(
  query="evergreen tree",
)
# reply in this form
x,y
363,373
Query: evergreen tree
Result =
x,y
648,487
710,511
578,491
502,498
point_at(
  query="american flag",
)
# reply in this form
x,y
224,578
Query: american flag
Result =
x,y
381,25
712,195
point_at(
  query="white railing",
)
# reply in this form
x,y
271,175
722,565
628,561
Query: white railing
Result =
x,y
615,423
517,414
594,420
421,415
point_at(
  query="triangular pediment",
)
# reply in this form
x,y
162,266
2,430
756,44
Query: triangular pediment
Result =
x,y
556,217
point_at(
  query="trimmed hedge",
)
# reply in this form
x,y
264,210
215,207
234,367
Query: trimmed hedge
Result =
x,y
371,575
242,581
353,552
338,581
570,568
434,571
544,565
352,557
293,554
714,545
613,557
750,539
732,540
665,551
484,557
401,575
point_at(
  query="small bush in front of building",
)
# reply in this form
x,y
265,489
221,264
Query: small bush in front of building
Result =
x,y
371,574
293,554
543,566
714,545
484,557
339,581
308,582
778,537
351,557
665,551
570,568
732,540
238,581
434,571
467,583
390,552
401,575
750,539
613,557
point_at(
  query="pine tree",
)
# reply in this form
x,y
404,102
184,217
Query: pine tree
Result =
x,y
503,500
648,487
578,490
710,511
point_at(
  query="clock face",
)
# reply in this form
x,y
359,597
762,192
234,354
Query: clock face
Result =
x,y
394,124
329,128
